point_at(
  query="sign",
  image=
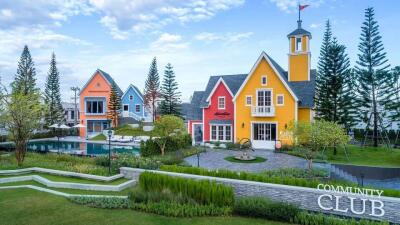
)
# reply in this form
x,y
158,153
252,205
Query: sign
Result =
x,y
344,199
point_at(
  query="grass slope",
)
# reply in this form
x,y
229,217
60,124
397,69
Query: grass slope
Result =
x,y
26,206
368,156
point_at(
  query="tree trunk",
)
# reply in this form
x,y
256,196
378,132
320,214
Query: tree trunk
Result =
x,y
375,112
20,149
310,161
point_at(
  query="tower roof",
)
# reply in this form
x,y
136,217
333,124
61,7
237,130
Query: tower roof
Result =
x,y
299,31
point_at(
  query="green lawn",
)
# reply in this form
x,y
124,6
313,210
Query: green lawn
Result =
x,y
70,179
100,137
367,156
24,206
127,130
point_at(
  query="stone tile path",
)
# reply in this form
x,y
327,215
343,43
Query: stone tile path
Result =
x,y
214,159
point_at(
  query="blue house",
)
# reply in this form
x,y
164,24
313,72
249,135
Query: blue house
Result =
x,y
133,104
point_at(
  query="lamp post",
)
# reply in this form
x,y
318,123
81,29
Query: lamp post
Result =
x,y
109,150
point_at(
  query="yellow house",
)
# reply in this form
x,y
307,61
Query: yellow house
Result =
x,y
270,97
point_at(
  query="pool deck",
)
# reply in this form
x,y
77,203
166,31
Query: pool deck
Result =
x,y
78,139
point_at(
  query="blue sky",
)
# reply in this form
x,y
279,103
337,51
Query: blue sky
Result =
x,y
199,37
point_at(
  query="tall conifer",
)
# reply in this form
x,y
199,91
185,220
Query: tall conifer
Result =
x,y
52,97
152,88
170,96
372,74
25,81
114,106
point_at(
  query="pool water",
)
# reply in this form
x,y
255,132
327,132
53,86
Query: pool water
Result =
x,y
79,148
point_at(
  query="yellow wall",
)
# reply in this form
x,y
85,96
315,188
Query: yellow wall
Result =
x,y
299,61
304,114
283,114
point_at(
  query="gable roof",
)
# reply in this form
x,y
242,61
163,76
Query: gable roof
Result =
x,y
233,83
134,89
192,111
275,67
107,77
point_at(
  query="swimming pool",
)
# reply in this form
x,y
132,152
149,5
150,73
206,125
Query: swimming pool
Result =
x,y
78,148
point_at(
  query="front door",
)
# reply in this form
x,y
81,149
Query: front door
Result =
x,y
198,133
263,135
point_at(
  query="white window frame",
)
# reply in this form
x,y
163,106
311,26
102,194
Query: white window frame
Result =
x,y
130,97
124,106
221,97
217,126
251,100
266,80
136,108
296,45
283,99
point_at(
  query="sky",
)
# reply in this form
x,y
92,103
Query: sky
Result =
x,y
199,38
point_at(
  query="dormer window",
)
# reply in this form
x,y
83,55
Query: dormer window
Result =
x,y
298,44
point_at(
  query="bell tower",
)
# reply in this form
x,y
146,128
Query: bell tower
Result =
x,y
299,54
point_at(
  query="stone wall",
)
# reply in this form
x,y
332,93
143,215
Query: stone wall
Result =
x,y
305,198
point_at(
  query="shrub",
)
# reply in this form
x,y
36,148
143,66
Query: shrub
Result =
x,y
264,208
102,202
305,218
203,191
127,160
296,173
173,143
232,146
138,195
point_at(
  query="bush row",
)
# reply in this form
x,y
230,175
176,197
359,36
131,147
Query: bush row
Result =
x,y
127,160
293,181
102,202
202,191
174,143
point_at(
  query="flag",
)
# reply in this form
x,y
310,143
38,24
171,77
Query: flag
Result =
x,y
301,7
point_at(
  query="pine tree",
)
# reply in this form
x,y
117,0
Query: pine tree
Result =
x,y
393,106
170,103
25,81
373,78
152,88
114,106
52,97
334,84
322,103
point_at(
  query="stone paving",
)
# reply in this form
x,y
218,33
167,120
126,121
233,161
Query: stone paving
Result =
x,y
214,159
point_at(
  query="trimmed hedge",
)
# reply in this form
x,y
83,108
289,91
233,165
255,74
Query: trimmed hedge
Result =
x,y
102,202
202,191
293,181
261,207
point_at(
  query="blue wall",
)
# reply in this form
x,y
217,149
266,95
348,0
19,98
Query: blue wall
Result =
x,y
132,103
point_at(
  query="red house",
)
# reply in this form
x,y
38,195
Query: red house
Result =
x,y
217,110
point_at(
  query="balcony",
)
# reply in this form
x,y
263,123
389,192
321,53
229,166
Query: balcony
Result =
x,y
263,111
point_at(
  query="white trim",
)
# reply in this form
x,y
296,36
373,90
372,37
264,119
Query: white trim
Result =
x,y
139,108
90,79
95,114
301,44
251,100
283,99
134,89
234,122
220,80
264,55
264,122
221,97
197,123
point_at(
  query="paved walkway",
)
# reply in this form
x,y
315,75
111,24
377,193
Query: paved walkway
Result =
x,y
214,159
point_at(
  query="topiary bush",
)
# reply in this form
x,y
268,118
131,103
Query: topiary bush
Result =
x,y
261,207
202,191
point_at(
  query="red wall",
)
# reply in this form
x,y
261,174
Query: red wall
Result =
x,y
212,112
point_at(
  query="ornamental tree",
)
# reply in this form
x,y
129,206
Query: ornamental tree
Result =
x,y
170,95
167,126
152,88
114,106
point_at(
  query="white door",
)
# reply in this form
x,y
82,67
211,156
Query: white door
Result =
x,y
263,135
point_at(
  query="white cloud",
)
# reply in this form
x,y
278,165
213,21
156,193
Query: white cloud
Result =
x,y
226,37
143,15
291,6
315,25
168,42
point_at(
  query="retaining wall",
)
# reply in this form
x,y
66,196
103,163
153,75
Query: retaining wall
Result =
x,y
305,198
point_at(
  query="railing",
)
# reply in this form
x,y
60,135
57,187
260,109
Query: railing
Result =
x,y
262,111
135,116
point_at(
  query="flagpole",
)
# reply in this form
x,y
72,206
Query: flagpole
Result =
x,y
299,11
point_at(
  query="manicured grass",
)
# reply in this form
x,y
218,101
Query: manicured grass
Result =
x,y
367,156
55,161
127,130
256,160
70,179
100,137
67,190
24,206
